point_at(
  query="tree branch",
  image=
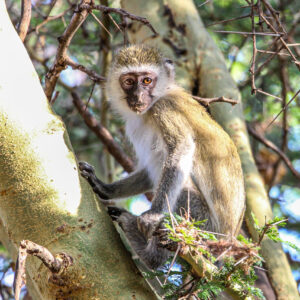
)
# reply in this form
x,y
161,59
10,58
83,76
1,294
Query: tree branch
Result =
x,y
25,19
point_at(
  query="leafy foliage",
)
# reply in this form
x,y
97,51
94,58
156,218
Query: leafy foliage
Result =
x,y
233,262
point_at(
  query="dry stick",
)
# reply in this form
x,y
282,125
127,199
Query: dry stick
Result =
x,y
172,263
272,52
103,134
101,24
121,12
252,68
50,18
204,3
208,101
273,147
228,20
268,94
250,33
92,74
25,19
54,264
115,23
275,14
284,108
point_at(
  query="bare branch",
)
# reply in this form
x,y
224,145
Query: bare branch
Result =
x,y
208,101
123,13
54,263
92,74
273,147
25,19
64,41
285,107
250,33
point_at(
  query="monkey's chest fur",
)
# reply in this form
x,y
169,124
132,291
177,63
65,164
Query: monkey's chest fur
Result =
x,y
149,147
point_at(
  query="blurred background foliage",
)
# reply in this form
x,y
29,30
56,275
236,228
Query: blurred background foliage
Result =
x,y
92,47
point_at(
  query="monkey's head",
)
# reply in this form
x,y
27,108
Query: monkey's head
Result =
x,y
138,77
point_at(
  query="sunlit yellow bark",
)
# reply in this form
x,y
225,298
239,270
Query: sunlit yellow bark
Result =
x,y
42,196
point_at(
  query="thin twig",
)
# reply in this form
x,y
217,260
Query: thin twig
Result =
x,y
250,33
208,101
228,20
285,107
101,24
50,18
92,74
273,147
120,12
204,3
268,94
172,263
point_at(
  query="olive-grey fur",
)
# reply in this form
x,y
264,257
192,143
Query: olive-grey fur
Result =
x,y
181,151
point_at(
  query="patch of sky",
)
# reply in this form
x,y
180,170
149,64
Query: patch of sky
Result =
x,y
294,140
291,204
139,204
73,77
293,237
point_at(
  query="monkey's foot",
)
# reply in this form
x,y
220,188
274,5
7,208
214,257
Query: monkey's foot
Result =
x,y
148,223
115,212
88,172
163,240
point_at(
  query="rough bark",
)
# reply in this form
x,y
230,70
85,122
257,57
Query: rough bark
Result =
x,y
43,198
201,68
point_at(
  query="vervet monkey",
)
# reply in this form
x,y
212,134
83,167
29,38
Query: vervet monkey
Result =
x,y
182,153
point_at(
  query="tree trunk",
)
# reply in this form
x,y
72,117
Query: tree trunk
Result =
x,y
43,198
201,68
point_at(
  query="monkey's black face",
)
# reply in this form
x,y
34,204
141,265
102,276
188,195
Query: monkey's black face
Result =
x,y
138,87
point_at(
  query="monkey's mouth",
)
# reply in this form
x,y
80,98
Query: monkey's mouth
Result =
x,y
137,106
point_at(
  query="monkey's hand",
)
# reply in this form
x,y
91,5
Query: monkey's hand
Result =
x,y
149,222
99,187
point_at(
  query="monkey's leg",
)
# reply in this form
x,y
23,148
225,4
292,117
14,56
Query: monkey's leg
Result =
x,y
134,184
152,255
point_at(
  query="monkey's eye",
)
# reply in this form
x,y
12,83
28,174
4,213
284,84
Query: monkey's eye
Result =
x,y
129,81
147,80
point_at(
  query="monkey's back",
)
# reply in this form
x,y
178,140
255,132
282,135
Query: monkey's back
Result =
x,y
216,168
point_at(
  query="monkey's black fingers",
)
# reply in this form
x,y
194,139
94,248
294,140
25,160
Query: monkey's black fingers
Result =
x,y
84,166
115,212
87,172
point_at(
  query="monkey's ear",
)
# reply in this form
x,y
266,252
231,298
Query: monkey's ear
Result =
x,y
170,68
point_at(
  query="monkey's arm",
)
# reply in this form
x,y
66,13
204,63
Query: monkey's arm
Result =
x,y
176,170
134,184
